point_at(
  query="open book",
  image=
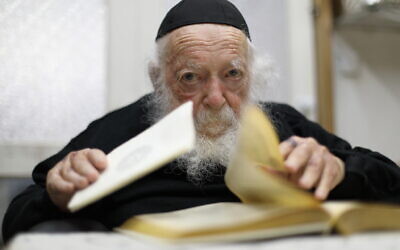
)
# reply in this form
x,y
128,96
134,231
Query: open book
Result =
x,y
272,206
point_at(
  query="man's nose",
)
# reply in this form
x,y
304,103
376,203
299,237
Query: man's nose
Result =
x,y
214,94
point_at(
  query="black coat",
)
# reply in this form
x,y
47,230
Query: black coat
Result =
x,y
368,176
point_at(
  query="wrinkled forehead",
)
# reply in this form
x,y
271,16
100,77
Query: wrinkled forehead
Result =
x,y
206,38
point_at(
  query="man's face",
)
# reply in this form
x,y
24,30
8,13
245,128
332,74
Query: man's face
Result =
x,y
207,64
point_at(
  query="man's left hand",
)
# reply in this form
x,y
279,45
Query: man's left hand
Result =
x,y
311,165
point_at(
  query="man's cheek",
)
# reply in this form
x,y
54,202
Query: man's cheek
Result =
x,y
180,95
235,101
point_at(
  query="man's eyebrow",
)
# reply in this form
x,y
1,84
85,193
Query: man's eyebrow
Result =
x,y
238,63
186,65
191,64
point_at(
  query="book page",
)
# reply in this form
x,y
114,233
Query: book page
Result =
x,y
337,208
350,216
221,218
258,148
169,138
236,236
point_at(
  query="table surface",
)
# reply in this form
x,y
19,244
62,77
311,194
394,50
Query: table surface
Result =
x,y
98,241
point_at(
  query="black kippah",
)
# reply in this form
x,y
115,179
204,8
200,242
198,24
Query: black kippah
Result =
x,y
188,12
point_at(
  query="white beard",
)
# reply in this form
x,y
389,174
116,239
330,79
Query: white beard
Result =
x,y
211,155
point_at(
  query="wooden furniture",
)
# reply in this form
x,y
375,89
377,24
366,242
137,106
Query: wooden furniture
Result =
x,y
323,18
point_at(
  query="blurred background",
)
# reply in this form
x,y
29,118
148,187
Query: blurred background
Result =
x,y
64,63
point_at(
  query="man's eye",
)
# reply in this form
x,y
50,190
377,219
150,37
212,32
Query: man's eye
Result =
x,y
188,77
234,73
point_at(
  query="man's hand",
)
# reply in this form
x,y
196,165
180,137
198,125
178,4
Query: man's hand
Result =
x,y
311,165
76,171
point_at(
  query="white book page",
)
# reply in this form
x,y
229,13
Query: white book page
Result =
x,y
171,137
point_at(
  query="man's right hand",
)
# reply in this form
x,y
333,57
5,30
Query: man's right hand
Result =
x,y
75,172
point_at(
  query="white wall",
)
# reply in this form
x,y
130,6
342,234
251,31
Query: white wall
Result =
x,y
132,29
302,57
52,77
367,89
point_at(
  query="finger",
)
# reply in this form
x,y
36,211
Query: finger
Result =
x,y
312,172
295,177
56,184
287,146
69,175
328,178
299,157
98,159
82,166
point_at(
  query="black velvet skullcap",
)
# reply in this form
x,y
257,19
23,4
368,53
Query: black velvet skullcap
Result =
x,y
188,12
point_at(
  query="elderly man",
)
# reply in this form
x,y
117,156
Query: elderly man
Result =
x,y
204,54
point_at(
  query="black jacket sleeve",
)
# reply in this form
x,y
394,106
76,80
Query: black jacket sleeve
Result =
x,y
33,205
368,174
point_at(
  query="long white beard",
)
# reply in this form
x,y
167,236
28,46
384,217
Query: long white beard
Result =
x,y
211,155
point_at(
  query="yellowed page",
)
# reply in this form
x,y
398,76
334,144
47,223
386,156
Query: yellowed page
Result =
x,y
257,148
337,208
258,140
351,217
223,218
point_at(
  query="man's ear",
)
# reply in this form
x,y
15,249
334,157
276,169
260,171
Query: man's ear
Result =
x,y
154,73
